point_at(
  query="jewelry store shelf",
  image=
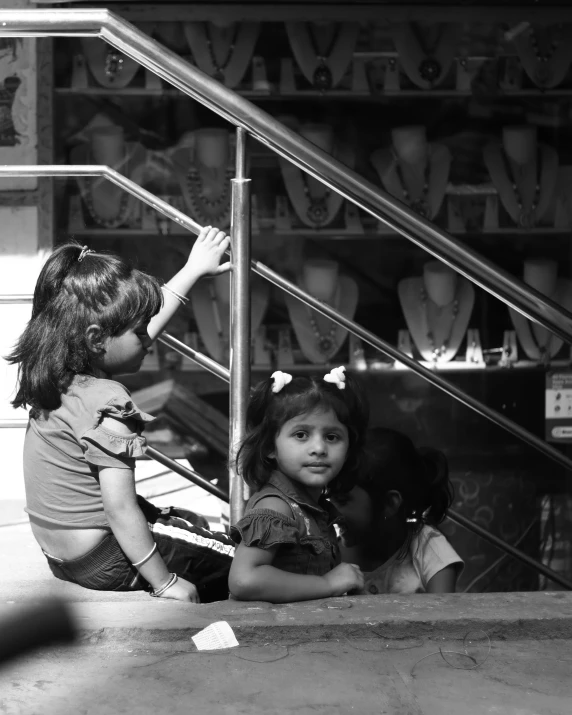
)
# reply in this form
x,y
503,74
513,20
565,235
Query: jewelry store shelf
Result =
x,y
312,94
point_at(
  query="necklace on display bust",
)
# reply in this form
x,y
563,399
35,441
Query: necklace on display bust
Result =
x,y
317,212
421,203
220,68
526,217
322,78
425,65
204,210
438,351
98,206
325,342
323,67
545,54
109,67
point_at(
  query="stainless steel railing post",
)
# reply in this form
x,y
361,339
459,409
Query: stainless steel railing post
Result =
x,y
239,322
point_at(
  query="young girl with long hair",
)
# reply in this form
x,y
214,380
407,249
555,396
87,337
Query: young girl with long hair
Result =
x,y
304,439
94,316
389,518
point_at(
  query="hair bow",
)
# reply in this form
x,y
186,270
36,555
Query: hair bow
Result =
x,y
336,375
280,379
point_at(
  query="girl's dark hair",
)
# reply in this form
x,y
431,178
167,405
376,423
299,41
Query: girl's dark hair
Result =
x,y
101,289
268,411
421,476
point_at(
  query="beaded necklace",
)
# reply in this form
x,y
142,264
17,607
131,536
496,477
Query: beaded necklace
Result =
x,y
438,352
122,214
526,219
421,204
326,342
219,70
203,209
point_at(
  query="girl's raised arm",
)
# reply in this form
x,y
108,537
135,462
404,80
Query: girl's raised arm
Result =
x,y
203,260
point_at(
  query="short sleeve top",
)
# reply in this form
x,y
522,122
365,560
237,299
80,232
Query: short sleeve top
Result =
x,y
306,541
429,553
64,448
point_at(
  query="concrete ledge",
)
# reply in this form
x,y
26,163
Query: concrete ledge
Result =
x,y
503,616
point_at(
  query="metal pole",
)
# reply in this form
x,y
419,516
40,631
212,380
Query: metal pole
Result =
x,y
189,474
166,64
503,546
239,323
202,360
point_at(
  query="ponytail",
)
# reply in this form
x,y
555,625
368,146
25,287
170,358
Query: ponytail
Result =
x,y
75,289
439,490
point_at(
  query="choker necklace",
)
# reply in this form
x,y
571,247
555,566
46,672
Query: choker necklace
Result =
x,y
317,211
421,204
322,78
219,70
205,210
113,63
526,219
438,352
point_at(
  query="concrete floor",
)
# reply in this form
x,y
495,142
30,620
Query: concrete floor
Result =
x,y
336,676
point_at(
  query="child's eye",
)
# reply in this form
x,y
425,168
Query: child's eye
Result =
x,y
333,437
300,434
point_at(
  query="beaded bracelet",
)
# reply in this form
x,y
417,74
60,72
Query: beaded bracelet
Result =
x,y
181,298
160,591
146,558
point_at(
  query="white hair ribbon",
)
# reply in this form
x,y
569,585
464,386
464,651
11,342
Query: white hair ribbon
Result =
x,y
280,379
336,375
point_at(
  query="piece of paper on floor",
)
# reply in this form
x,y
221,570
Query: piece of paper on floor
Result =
x,y
217,635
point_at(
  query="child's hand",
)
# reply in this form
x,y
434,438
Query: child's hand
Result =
x,y
207,251
182,590
344,578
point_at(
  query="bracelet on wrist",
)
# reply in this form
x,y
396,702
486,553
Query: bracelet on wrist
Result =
x,y
183,300
173,578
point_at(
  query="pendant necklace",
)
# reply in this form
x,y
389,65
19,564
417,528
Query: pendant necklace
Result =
x,y
438,352
526,219
325,341
322,78
429,68
317,212
543,71
219,70
421,204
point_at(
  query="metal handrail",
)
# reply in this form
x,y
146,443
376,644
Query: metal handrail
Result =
x,y
167,65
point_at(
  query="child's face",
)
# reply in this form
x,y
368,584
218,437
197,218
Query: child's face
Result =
x,y
124,353
356,509
311,449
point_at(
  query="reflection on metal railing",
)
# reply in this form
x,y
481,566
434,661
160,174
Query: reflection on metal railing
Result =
x,y
166,64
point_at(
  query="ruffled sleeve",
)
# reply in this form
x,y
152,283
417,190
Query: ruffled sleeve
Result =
x,y
265,528
105,448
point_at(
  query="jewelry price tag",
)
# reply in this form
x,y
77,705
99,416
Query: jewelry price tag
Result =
x,y
558,407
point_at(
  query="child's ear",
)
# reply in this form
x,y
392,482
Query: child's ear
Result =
x,y
393,502
94,339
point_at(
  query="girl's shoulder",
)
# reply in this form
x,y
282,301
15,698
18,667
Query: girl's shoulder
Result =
x,y
431,551
105,398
